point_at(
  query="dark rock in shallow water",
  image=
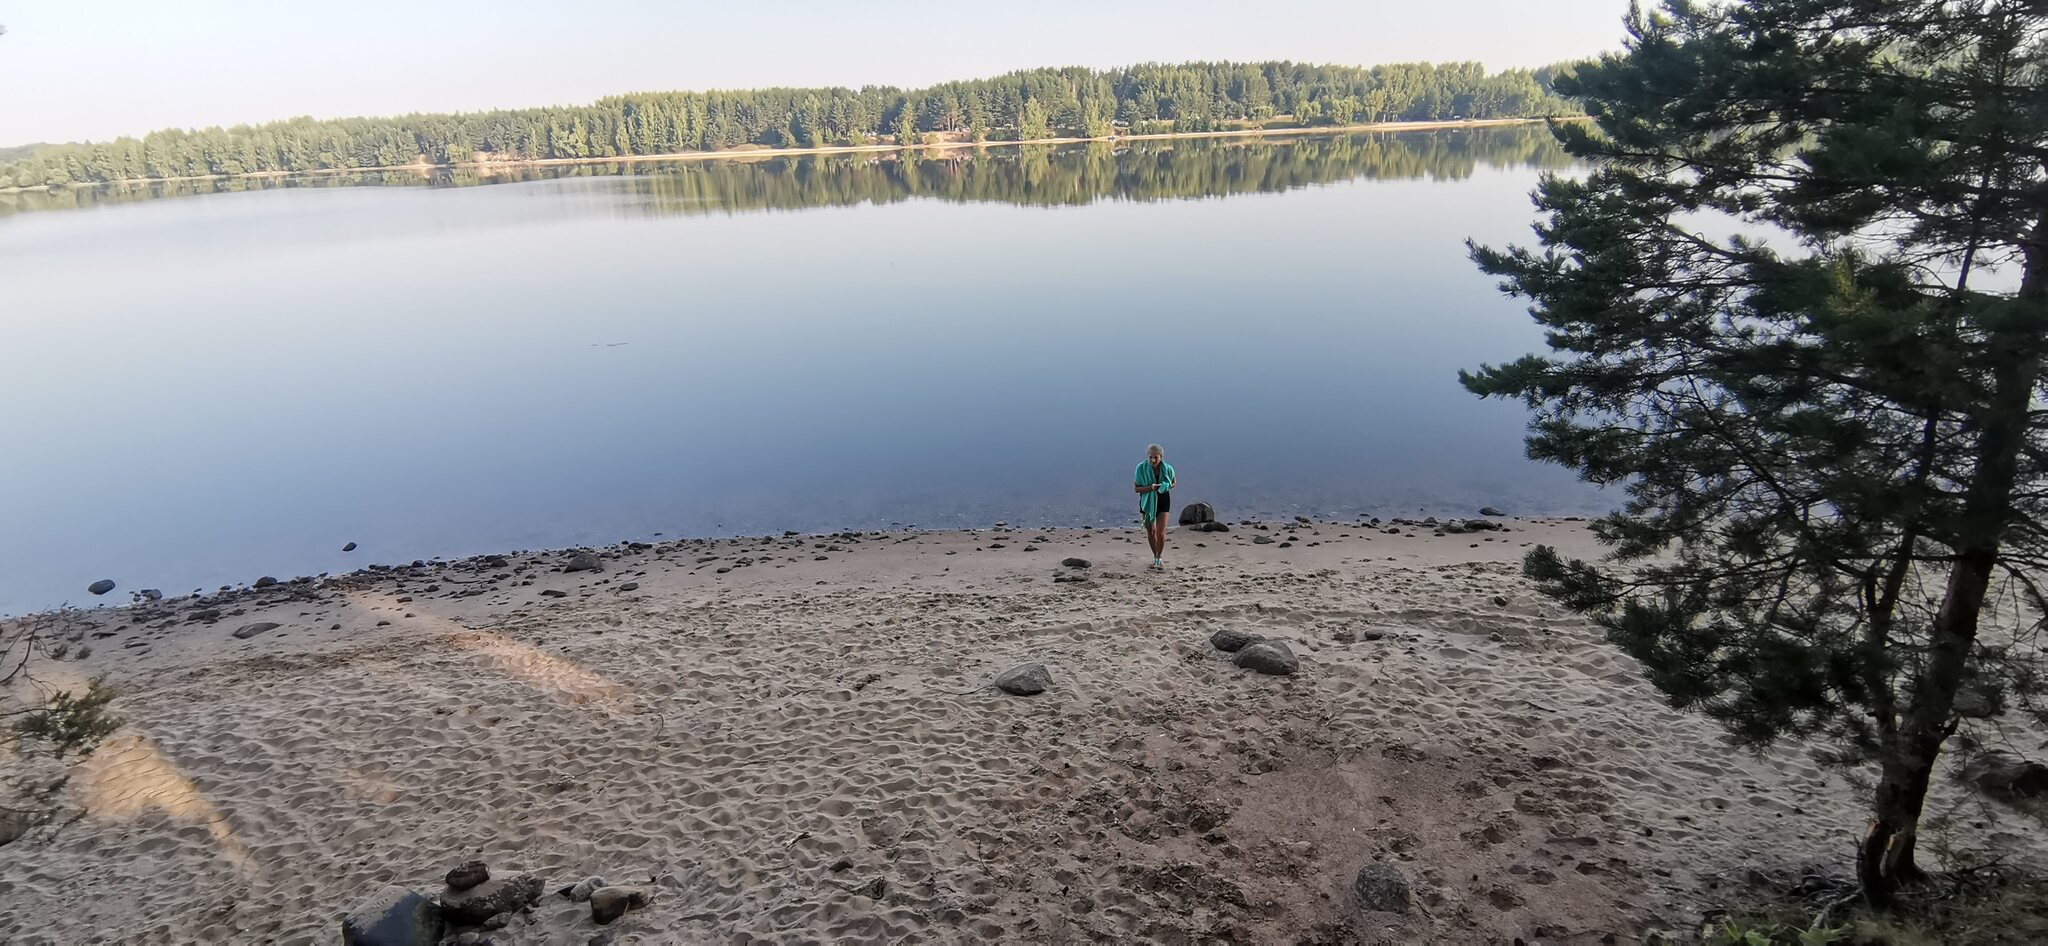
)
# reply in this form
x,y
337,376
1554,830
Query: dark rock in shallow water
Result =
x,y
1268,657
497,895
1197,514
247,631
610,903
1381,887
1232,640
1490,511
393,916
468,874
101,587
1024,679
349,547
584,562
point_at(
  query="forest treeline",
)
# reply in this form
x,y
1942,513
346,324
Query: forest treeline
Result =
x,y
1054,175
1029,105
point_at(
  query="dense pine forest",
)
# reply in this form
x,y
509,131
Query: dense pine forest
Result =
x,y
1057,175
1031,105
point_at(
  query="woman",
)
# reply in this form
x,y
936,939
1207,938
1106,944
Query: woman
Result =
x,y
1154,486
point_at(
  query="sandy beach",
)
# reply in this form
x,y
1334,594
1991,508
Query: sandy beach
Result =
x,y
793,739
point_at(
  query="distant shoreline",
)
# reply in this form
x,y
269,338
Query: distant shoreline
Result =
x,y
766,152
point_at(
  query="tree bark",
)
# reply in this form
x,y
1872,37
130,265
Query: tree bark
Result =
x,y
1886,858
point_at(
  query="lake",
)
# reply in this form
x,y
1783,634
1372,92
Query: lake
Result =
x,y
203,388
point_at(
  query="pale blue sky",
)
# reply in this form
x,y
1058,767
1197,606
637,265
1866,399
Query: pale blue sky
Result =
x,y
95,69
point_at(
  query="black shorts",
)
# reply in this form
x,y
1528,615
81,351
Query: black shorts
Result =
x,y
1165,503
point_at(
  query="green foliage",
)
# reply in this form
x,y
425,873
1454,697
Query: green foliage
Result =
x,y
1034,175
1765,333
68,725
1030,104
1733,933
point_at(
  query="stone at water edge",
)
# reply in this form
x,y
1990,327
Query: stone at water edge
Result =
x,y
393,916
247,631
1381,887
468,874
1490,511
1270,657
497,895
584,562
1024,680
610,903
101,587
265,582
1231,640
1197,514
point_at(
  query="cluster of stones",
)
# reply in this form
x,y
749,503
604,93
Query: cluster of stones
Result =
x,y
472,906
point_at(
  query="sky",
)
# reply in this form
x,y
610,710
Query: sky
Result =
x,y
76,70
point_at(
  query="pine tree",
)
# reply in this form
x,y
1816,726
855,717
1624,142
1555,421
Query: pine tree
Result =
x,y
1807,432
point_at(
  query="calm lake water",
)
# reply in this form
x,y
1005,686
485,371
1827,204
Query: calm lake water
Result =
x,y
207,389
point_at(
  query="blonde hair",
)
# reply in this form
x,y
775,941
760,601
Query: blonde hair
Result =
x,y
1149,451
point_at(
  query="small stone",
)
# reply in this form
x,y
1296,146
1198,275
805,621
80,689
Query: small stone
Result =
x,y
1024,679
247,631
1269,657
349,547
1381,887
1500,601
468,874
553,593
265,582
630,586
1074,562
582,889
874,889
844,863
610,903
393,916
498,895
1231,640
1262,540
151,594
1215,527
1490,511
584,562
101,587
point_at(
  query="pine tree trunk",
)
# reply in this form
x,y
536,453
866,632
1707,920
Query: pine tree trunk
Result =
x,y
1886,858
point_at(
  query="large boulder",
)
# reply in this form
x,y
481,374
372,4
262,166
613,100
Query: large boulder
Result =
x,y
1381,887
1197,514
393,916
1268,657
498,895
1024,679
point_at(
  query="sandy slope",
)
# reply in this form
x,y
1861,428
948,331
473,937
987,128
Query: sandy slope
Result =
x,y
802,748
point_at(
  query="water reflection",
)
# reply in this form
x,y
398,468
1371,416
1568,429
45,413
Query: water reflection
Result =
x,y
1058,176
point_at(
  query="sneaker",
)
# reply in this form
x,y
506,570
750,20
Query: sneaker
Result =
x,y
1158,564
